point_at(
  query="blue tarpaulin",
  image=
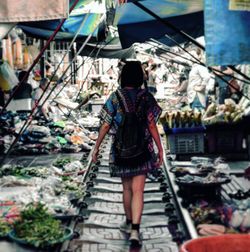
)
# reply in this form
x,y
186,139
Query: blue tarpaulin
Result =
x,y
227,34
135,25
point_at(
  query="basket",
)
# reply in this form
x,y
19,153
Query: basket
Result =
x,y
186,143
191,190
223,243
68,234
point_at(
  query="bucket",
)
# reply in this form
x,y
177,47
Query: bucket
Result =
x,y
219,243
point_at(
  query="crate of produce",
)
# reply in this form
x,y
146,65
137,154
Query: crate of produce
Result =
x,y
186,143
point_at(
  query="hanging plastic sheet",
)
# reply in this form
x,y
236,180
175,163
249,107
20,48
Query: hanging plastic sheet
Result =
x,y
5,28
227,33
8,78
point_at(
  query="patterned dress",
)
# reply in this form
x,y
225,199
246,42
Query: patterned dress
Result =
x,y
111,113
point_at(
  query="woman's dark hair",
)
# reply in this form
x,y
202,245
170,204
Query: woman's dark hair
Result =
x,y
132,74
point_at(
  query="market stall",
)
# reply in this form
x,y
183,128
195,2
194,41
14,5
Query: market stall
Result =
x,y
45,190
47,158
221,130
213,195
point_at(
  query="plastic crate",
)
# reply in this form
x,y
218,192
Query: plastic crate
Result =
x,y
95,106
227,141
186,143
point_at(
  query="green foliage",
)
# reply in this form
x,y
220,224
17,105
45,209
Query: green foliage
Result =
x,y
60,162
5,228
37,227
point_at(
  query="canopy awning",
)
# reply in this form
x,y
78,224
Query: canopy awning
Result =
x,y
44,29
88,11
136,25
113,51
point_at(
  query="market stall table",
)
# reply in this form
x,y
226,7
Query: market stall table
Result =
x,y
206,207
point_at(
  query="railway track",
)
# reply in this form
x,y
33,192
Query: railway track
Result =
x,y
101,212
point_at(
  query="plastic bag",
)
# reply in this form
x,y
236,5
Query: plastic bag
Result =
x,y
73,166
18,54
8,79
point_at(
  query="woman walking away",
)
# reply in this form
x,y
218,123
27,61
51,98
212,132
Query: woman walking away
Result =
x,y
131,113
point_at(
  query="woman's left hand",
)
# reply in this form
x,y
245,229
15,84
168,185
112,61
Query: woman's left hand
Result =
x,y
94,155
159,159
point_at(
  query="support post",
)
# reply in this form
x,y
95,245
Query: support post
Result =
x,y
42,61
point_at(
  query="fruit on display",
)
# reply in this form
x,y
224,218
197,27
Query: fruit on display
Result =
x,y
181,119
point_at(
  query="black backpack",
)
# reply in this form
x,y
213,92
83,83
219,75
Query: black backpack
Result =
x,y
131,146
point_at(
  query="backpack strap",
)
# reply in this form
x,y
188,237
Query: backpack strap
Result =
x,y
141,95
121,101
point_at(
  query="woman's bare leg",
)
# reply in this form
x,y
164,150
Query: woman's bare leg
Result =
x,y
127,196
138,183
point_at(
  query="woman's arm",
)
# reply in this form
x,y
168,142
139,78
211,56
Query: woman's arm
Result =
x,y
102,132
155,134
